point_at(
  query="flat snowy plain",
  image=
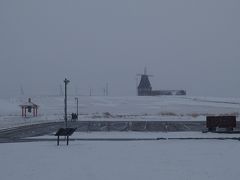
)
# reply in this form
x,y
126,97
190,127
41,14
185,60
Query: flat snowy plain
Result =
x,y
140,160
118,160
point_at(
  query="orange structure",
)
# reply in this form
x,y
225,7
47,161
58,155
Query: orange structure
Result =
x,y
30,108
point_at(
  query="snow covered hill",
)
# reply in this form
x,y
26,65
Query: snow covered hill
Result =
x,y
159,108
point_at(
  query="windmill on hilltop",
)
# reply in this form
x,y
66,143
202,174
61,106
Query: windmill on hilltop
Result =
x,y
145,88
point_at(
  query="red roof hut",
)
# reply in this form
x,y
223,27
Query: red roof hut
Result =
x,y
29,107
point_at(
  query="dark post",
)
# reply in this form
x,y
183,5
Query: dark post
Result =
x,y
67,140
66,132
107,89
58,140
77,106
66,81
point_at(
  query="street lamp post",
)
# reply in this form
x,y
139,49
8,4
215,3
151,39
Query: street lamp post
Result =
x,y
77,106
66,81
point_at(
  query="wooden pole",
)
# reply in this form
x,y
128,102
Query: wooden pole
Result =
x,y
67,140
66,81
58,141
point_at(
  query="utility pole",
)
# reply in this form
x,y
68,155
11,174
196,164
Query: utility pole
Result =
x,y
106,89
66,81
60,90
21,91
90,92
137,85
77,106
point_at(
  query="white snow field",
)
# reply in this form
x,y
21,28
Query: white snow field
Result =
x,y
118,160
128,135
158,108
122,160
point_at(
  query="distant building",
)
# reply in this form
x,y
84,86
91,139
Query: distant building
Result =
x,y
145,89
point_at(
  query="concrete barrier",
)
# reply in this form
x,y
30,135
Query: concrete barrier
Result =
x,y
150,126
118,126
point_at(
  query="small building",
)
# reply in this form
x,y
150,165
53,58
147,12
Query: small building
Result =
x,y
29,108
145,88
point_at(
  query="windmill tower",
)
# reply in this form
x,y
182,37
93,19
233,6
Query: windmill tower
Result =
x,y
144,88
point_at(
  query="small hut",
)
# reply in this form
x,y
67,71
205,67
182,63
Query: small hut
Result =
x,y
30,108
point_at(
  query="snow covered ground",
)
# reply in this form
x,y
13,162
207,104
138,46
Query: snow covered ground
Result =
x,y
164,108
140,135
102,160
118,160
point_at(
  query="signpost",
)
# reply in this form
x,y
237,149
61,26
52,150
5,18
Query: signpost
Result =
x,y
64,132
227,122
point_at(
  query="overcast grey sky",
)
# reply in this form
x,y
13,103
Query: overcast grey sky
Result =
x,y
186,44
